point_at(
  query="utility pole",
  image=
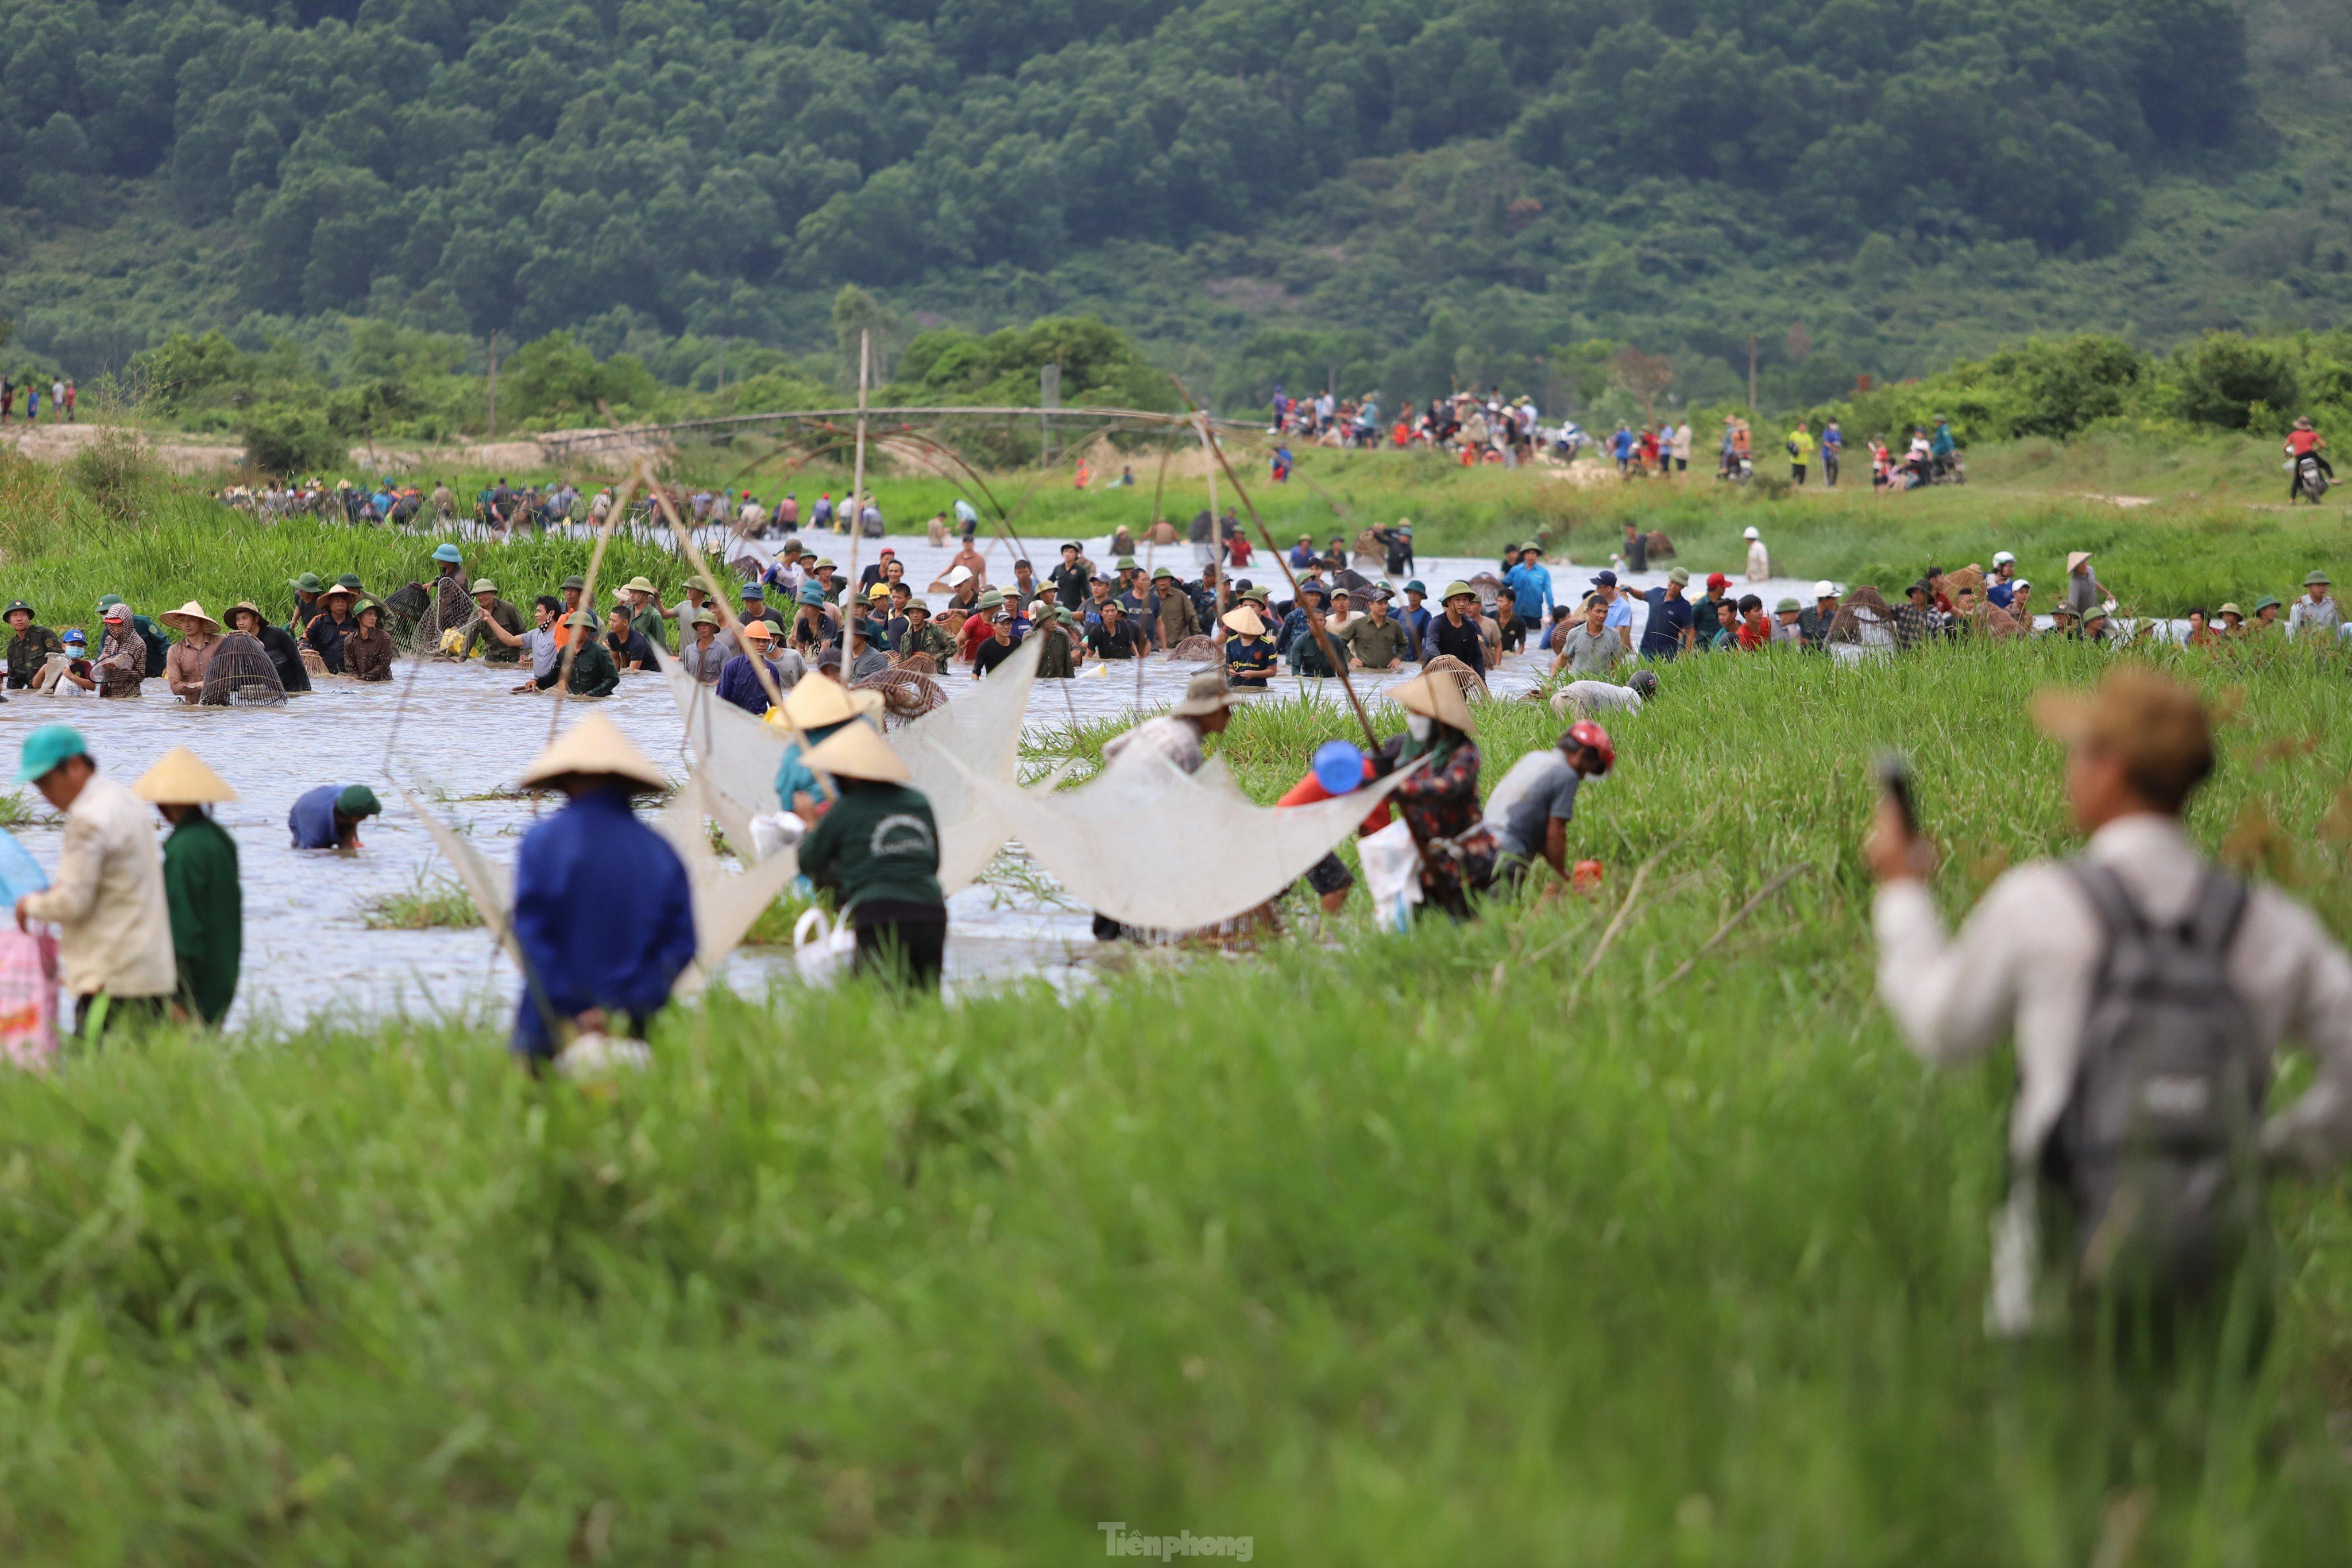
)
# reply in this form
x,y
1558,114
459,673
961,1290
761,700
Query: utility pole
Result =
x,y
1049,398
851,604
494,384
1751,373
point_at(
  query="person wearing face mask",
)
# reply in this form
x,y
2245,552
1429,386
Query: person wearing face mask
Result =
x,y
1440,800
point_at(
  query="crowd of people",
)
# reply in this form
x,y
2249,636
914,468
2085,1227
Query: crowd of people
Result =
x,y
29,391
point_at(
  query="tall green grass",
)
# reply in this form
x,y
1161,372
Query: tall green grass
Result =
x,y
1428,1249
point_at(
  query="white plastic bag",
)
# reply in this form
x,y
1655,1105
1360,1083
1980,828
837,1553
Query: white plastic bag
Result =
x,y
775,832
1392,874
595,1055
821,950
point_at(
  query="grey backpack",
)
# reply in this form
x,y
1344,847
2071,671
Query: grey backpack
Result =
x,y
2158,1147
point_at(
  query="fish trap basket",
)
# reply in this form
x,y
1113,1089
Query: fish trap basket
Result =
x,y
1473,684
241,675
914,664
1865,617
443,608
907,695
1196,650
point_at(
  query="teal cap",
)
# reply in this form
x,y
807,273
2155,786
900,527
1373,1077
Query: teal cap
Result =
x,y
357,800
45,748
108,601
446,552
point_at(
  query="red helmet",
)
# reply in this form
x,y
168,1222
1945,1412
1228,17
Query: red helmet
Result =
x,y
1585,732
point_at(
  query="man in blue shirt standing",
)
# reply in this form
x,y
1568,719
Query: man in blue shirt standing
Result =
x,y
1833,449
1415,615
1620,609
1531,586
585,971
1668,629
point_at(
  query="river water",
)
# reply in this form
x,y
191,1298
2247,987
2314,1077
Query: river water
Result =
x,y
457,736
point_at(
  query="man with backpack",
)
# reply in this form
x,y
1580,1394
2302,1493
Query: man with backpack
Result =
x,y
2146,991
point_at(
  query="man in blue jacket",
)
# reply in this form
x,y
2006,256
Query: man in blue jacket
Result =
x,y
1531,586
585,971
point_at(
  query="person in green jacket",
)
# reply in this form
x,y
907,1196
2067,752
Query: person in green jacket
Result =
x,y
877,851
594,673
200,883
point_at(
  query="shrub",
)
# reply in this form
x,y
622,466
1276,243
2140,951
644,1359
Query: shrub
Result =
x,y
284,438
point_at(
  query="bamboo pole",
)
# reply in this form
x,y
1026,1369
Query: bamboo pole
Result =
x,y
853,596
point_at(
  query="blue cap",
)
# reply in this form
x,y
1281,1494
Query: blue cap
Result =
x,y
812,594
1604,579
755,590
447,552
45,748
1339,766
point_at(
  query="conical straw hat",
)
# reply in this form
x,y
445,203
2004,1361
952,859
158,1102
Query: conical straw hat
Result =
x,y
594,745
857,752
814,702
1243,619
190,611
180,778
1438,697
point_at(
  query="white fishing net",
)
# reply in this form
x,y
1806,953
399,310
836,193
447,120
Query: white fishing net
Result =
x,y
1150,845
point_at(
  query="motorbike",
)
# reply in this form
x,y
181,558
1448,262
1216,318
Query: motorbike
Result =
x,y
1947,470
2309,478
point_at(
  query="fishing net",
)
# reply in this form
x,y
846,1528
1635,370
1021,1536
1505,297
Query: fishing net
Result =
x,y
1473,684
1196,650
447,608
1864,618
916,664
907,695
1971,577
403,608
241,675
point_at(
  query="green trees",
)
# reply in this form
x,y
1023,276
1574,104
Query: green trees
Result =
x,y
546,161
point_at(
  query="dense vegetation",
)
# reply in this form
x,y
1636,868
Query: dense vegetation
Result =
x,y
1405,195
1437,1250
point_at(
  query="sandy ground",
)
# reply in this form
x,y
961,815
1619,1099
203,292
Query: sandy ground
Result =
x,y
50,442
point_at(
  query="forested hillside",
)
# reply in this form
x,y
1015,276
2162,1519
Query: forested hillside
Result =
x,y
1286,188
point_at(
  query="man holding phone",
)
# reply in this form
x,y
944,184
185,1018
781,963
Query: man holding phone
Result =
x,y
2139,1083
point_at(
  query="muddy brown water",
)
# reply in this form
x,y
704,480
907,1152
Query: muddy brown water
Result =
x,y
457,736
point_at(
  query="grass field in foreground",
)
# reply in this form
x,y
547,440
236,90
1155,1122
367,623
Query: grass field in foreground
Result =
x,y
1438,1249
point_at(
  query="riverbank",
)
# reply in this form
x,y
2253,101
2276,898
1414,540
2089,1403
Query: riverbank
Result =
x,y
1500,1243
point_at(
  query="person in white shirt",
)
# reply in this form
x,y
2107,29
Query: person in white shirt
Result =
x,y
1759,561
1682,447
2029,960
114,923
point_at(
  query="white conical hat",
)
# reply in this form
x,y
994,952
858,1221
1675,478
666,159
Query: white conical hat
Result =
x,y
857,752
594,745
1436,696
816,701
180,778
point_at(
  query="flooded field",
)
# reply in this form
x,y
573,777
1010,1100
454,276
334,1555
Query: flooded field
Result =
x,y
456,736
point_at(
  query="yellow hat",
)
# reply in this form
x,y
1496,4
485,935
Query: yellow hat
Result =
x,y
594,746
1436,696
857,752
1244,620
180,778
814,702
192,611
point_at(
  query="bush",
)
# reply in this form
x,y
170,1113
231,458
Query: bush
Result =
x,y
284,438
2219,378
113,470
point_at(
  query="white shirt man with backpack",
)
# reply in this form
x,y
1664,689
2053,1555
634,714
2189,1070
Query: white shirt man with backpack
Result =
x,y
2146,991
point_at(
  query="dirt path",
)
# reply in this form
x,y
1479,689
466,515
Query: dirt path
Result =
x,y
59,442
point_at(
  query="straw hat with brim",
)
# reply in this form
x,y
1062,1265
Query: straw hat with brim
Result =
x,y
637,586
246,605
857,752
180,778
2231,610
1205,693
484,585
1437,697
2075,558
189,617
593,748
339,589
2155,724
814,704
